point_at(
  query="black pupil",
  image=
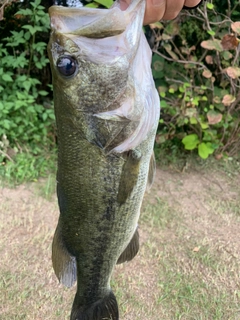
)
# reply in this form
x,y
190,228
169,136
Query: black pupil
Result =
x,y
66,66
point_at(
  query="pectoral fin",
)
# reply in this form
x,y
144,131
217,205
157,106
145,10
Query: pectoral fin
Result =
x,y
129,176
132,249
64,264
151,172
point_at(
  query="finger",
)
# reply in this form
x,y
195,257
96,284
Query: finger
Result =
x,y
191,4
173,8
155,10
124,4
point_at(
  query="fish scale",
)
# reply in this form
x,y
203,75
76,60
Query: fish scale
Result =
x,y
108,83
106,118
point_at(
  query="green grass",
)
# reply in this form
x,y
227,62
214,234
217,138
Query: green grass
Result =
x,y
27,167
195,276
46,188
193,285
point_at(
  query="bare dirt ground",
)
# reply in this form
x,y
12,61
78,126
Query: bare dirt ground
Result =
x,y
187,268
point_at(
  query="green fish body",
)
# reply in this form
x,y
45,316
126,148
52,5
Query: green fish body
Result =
x,y
107,111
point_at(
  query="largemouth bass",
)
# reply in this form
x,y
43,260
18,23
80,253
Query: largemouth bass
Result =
x,y
107,111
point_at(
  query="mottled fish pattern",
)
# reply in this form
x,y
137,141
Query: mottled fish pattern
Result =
x,y
107,111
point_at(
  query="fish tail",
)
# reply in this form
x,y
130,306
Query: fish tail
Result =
x,y
103,309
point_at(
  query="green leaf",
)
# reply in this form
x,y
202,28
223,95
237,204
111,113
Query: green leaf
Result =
x,y
6,124
44,116
193,120
190,141
19,104
35,3
38,65
43,93
205,149
6,77
26,85
204,125
41,12
105,3
195,101
164,104
27,35
39,46
163,94
32,29
25,12
210,6
227,55
21,95
211,32
92,5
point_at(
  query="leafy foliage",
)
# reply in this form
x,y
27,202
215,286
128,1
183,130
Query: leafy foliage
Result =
x,y
27,116
196,67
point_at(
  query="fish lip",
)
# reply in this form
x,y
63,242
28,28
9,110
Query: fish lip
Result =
x,y
84,21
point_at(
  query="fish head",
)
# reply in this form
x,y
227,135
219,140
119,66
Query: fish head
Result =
x,y
98,69
90,52
88,74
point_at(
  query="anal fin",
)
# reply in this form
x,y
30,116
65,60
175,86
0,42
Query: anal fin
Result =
x,y
131,250
64,264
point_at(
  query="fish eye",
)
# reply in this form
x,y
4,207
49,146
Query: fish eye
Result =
x,y
67,65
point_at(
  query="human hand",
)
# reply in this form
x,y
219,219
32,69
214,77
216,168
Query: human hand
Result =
x,y
162,9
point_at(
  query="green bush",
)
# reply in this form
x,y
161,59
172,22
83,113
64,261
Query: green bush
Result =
x,y
26,111
26,115
196,67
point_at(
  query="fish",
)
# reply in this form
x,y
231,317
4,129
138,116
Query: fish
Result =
x,y
107,113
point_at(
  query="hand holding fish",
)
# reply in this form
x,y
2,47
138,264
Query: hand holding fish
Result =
x,y
162,9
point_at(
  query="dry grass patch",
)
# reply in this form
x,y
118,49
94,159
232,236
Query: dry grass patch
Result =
x,y
187,268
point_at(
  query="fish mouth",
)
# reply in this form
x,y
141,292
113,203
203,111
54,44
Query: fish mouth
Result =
x,y
90,22
84,21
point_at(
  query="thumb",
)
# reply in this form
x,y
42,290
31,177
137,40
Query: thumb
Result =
x,y
124,4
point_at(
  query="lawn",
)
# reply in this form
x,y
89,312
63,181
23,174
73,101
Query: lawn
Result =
x,y
188,266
